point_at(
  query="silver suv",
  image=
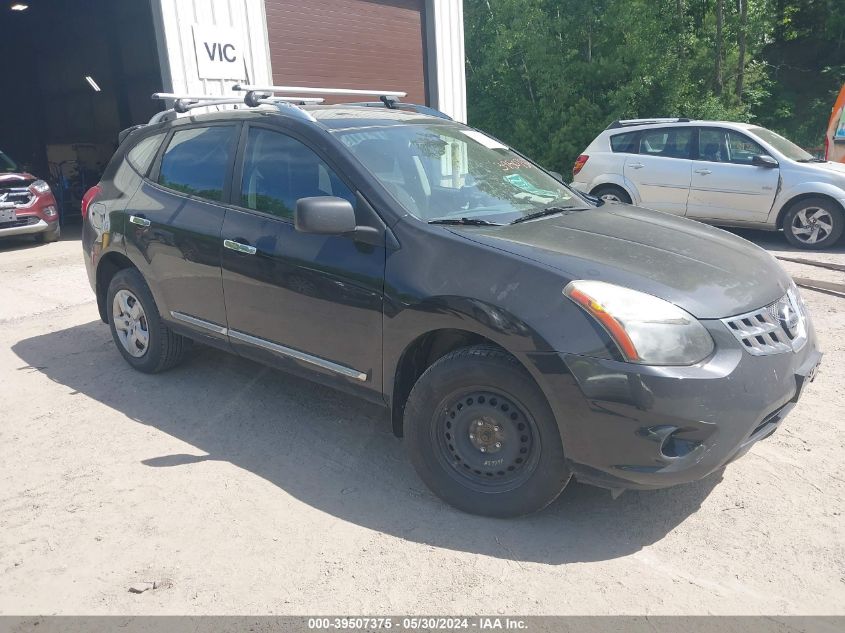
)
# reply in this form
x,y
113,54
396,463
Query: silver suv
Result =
x,y
729,174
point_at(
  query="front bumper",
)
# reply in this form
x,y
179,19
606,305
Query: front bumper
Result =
x,y
27,225
630,426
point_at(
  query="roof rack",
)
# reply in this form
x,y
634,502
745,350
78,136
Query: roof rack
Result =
x,y
319,91
184,103
634,122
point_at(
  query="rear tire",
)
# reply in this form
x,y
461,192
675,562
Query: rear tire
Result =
x,y
813,223
139,333
611,193
482,437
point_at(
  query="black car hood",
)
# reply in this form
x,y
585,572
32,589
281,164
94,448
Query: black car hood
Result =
x,y
708,272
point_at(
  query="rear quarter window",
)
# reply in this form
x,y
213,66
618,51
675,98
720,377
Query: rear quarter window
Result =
x,y
141,156
627,143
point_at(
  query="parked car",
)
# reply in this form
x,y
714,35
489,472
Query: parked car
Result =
x,y
27,206
518,332
728,174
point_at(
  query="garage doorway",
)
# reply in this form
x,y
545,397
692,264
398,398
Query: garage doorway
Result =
x,y
77,72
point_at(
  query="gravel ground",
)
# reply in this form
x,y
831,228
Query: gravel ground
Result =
x,y
240,490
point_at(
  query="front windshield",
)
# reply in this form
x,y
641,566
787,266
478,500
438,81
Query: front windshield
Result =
x,y
7,165
443,172
781,144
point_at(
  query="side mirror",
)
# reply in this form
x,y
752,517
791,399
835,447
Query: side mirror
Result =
x,y
557,175
761,160
325,215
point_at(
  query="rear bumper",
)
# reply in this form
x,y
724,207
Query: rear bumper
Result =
x,y
630,426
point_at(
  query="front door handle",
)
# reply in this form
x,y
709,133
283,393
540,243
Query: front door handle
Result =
x,y
139,220
636,165
246,249
703,172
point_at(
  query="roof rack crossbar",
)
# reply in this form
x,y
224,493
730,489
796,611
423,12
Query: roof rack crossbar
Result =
x,y
319,91
184,103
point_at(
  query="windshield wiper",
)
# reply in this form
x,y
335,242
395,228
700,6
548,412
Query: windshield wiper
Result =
x,y
544,212
463,221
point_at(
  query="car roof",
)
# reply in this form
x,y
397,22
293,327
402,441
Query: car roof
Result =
x,y
634,127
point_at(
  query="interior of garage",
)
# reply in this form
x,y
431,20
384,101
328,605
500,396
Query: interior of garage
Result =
x,y
77,72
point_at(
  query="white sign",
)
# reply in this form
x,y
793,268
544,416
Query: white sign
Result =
x,y
219,52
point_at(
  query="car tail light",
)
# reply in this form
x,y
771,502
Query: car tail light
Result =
x,y
89,197
579,164
826,147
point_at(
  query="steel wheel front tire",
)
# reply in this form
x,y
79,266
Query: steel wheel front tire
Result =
x,y
813,223
482,436
142,338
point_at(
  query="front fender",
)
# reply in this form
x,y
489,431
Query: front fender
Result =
x,y
787,195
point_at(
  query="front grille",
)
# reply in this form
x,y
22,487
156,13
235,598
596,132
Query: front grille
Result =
x,y
19,196
774,329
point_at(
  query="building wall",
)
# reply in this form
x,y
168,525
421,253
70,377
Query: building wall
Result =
x,y
447,76
175,19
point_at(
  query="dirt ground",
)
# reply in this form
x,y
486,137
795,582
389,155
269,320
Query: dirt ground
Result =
x,y
240,490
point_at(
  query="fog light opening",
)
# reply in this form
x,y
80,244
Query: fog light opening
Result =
x,y
674,446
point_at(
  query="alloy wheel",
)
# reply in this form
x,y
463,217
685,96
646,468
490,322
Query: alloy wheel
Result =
x,y
130,323
811,225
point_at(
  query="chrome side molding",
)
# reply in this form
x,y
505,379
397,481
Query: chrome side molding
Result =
x,y
273,347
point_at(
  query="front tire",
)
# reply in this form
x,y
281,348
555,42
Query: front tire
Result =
x,y
482,437
142,338
813,223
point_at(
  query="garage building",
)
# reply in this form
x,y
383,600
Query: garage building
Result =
x,y
82,70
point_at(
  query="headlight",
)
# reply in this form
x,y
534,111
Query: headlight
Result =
x,y
39,186
648,330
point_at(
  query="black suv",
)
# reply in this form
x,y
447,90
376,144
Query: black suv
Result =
x,y
518,331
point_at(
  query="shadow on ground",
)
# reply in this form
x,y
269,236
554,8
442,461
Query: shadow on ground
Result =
x,y
337,454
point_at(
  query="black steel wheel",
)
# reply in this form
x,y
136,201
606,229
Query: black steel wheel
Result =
x,y
482,436
487,439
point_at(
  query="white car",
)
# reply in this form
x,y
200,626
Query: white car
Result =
x,y
730,174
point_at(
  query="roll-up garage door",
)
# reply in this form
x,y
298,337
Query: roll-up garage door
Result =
x,y
349,44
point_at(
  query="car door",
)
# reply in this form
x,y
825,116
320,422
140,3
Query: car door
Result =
x,y
725,183
661,169
174,221
298,300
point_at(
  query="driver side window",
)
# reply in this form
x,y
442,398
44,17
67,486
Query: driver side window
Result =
x,y
279,170
727,146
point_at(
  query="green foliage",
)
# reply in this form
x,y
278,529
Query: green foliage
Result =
x,y
547,76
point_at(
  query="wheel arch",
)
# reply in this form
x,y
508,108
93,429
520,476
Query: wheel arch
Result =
x,y
616,180
422,352
109,265
798,197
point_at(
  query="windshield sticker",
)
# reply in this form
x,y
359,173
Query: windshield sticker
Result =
x,y
485,140
520,182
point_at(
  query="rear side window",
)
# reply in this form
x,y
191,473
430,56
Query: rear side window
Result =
x,y
626,143
196,161
279,170
141,156
667,142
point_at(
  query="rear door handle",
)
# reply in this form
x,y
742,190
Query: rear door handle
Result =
x,y
246,249
703,172
139,220
636,165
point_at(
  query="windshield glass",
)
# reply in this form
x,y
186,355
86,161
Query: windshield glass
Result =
x,y
781,144
7,164
451,172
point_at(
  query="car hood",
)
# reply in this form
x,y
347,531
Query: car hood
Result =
x,y
708,272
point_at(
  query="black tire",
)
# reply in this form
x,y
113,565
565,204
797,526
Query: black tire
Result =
x,y
485,386
825,211
49,236
606,192
165,348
